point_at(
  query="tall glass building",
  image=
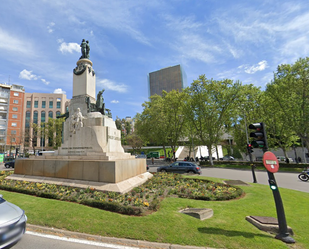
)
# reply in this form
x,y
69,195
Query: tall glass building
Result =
x,y
169,78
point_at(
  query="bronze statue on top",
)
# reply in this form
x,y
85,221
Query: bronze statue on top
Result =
x,y
85,49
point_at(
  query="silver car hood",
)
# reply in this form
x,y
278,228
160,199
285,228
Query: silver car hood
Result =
x,y
9,213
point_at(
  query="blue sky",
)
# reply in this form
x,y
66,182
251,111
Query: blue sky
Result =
x,y
240,40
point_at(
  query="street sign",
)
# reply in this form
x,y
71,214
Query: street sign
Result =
x,y
270,162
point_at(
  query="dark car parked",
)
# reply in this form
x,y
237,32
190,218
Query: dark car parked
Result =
x,y
10,164
181,167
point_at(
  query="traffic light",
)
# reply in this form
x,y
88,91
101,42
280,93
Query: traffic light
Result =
x,y
249,148
260,136
273,184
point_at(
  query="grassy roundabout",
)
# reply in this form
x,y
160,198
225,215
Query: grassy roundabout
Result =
x,y
226,229
139,201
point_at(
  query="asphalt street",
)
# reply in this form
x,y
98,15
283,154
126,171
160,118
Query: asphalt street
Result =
x,y
284,179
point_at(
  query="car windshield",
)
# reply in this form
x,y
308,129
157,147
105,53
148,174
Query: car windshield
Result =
x,y
1,200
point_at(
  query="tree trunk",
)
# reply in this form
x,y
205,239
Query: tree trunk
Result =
x,y
210,155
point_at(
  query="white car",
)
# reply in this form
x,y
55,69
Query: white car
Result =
x,y
12,223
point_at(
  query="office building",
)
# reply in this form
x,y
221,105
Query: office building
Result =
x,y
168,79
38,108
11,117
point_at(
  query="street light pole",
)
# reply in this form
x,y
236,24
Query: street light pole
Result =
x,y
250,155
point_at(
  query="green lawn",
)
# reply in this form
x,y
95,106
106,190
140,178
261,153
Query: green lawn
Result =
x,y
226,229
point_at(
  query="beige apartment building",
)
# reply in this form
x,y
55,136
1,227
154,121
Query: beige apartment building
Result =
x,y
38,108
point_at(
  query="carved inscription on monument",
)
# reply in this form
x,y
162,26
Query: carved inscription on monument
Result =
x,y
114,138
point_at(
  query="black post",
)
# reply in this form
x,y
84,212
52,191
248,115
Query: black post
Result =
x,y
283,228
252,168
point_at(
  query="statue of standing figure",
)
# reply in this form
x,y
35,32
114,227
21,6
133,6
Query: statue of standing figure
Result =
x,y
85,49
100,102
76,121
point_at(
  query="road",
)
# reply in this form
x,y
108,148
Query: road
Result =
x,y
284,179
38,241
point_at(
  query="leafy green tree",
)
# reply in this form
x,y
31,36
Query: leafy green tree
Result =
x,y
290,91
135,141
162,119
118,124
210,107
127,127
279,133
247,112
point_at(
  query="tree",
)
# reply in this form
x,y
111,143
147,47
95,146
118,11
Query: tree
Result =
x,y
135,142
162,119
248,111
211,105
53,131
118,123
279,133
290,91
127,127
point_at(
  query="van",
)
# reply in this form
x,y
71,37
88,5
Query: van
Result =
x,y
154,154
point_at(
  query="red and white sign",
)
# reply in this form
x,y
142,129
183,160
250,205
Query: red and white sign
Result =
x,y
270,162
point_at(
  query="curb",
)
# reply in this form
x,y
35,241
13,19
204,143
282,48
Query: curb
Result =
x,y
108,240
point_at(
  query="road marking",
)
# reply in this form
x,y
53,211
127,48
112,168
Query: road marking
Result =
x,y
80,241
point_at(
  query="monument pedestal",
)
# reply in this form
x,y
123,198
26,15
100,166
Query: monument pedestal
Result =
x,y
91,152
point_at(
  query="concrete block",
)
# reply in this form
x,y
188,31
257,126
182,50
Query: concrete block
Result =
x,y
76,170
38,168
62,168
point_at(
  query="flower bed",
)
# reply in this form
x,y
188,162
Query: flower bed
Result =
x,y
138,201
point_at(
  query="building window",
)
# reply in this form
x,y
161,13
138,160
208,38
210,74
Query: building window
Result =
x,y
14,116
13,132
16,94
58,104
13,139
58,114
43,104
35,117
43,115
27,125
14,124
51,104
15,101
50,114
36,104
15,109
28,104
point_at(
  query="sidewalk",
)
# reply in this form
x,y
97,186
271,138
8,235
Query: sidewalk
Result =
x,y
108,240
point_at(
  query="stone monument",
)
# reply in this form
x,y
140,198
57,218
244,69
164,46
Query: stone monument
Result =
x,y
91,153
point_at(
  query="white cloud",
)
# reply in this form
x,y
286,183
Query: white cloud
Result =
x,y
50,27
113,86
115,101
27,75
45,81
14,43
59,91
262,65
69,47
188,38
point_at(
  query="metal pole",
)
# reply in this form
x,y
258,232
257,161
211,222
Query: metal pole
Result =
x,y
283,228
250,155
